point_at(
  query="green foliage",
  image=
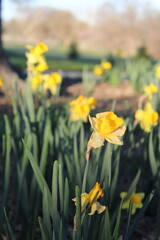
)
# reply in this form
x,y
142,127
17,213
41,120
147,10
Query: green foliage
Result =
x,y
47,169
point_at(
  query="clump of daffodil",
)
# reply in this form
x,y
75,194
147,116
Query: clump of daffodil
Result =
x,y
36,65
107,126
91,198
1,82
150,89
98,70
157,71
136,199
35,60
106,65
81,107
147,117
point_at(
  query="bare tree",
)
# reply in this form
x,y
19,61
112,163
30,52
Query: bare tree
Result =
x,y
3,58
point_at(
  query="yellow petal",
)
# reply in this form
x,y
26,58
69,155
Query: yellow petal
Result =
x,y
93,122
120,131
96,206
133,210
139,114
112,138
96,140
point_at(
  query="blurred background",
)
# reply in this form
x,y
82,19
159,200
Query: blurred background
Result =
x,y
81,29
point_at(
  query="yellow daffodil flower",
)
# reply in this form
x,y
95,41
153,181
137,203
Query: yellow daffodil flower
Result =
x,y
135,197
147,117
41,67
81,107
1,82
107,126
91,198
106,65
150,89
39,49
51,81
157,71
36,81
98,71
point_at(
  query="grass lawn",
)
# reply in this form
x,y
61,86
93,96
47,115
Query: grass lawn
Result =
x,y
56,57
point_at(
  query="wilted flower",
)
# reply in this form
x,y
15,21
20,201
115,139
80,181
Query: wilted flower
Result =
x,y
51,81
98,71
136,198
147,117
1,82
106,65
107,126
81,107
91,198
157,71
150,89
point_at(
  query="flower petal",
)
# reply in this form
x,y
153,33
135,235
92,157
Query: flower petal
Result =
x,y
96,206
120,131
112,138
96,140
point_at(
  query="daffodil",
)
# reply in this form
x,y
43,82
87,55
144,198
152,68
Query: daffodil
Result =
x,y
38,49
98,71
51,82
36,81
1,82
147,117
81,107
150,89
157,71
91,198
106,65
136,198
107,126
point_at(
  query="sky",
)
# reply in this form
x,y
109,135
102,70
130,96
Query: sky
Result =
x,y
80,8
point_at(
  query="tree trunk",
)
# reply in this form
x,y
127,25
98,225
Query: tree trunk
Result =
x,y
1,44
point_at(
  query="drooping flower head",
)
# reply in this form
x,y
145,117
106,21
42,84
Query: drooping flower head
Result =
x,y
81,107
147,117
107,126
91,198
136,199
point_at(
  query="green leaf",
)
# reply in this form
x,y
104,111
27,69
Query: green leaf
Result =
x,y
133,185
106,235
117,226
43,229
152,159
10,232
38,174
